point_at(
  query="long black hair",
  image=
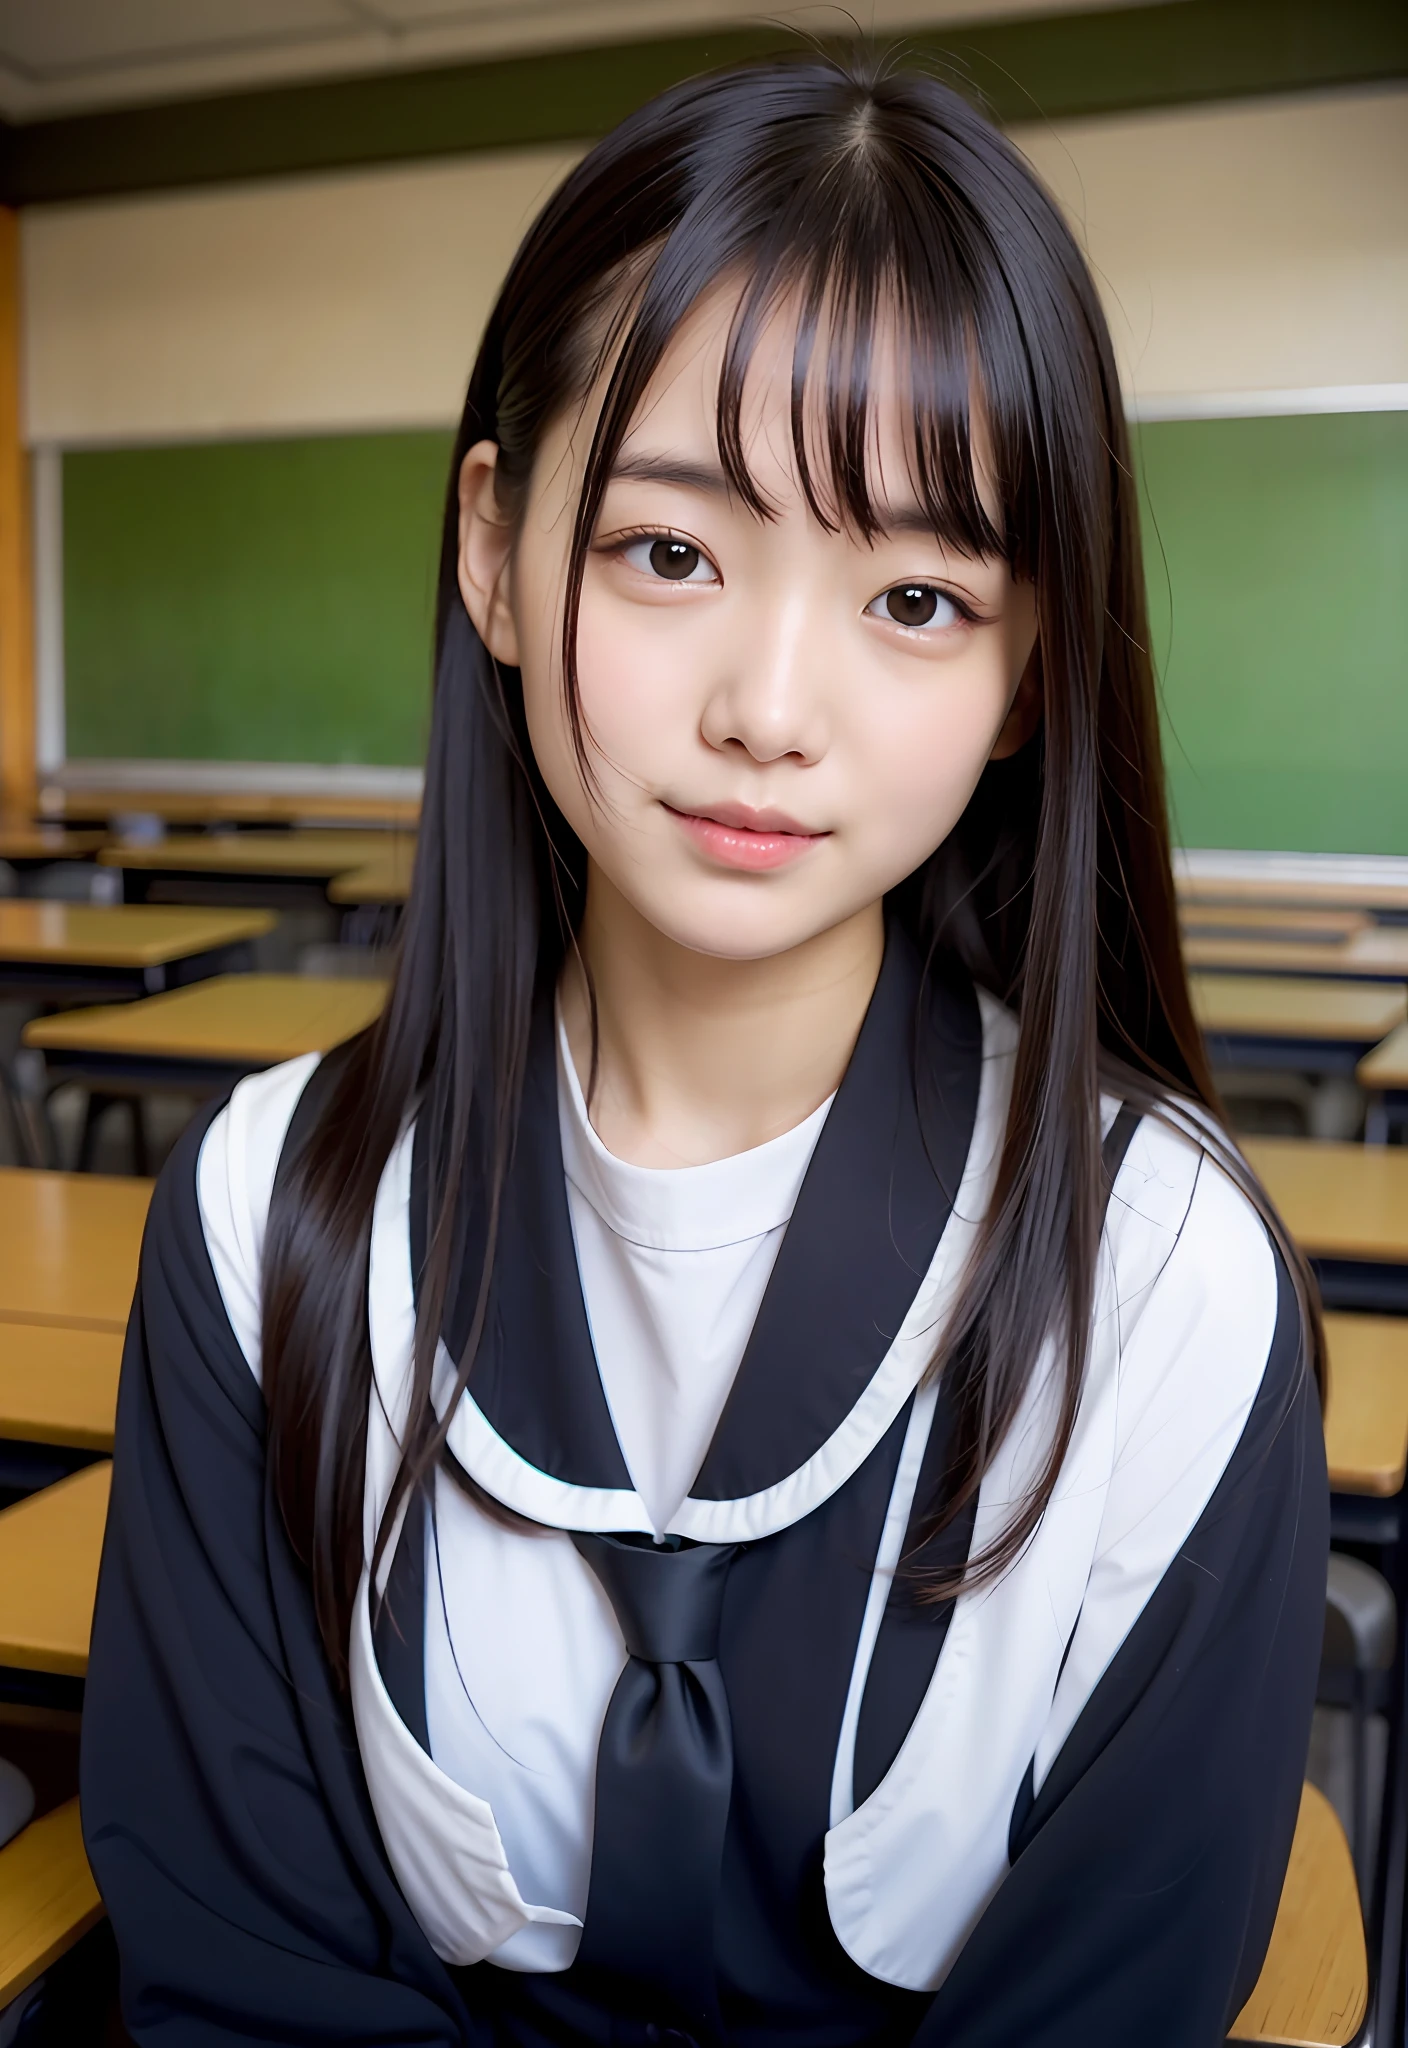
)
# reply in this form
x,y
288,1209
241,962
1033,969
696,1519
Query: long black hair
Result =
x,y
858,194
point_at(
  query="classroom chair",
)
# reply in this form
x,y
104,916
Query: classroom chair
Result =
x,y
16,1800
16,1117
1314,1985
48,1901
1356,1671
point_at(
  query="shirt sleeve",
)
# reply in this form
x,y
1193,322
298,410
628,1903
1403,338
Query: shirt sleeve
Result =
x,y
1147,1858
225,1813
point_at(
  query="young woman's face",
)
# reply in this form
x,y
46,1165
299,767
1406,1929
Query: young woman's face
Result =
x,y
783,722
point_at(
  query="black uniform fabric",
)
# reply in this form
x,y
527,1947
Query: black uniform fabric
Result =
x,y
229,1827
224,1809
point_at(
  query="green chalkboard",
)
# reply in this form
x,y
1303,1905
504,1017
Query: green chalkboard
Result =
x,y
272,601
252,601
1277,554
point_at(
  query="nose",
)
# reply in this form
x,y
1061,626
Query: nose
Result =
x,y
770,696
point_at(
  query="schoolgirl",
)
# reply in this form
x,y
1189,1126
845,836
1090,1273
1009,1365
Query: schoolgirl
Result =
x,y
746,1466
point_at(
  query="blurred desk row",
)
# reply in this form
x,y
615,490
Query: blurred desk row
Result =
x,y
225,868
67,952
72,1239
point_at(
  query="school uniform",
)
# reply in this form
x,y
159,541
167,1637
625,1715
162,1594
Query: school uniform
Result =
x,y
649,1734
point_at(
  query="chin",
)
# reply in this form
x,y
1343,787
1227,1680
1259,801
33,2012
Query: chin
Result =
x,y
736,929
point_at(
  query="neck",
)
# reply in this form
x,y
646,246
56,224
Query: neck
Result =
x,y
698,1057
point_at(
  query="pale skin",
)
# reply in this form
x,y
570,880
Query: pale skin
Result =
x,y
773,747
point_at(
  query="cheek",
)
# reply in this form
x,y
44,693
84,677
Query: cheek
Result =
x,y
920,754
636,673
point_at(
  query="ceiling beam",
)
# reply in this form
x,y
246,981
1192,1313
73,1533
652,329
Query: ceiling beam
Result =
x,y
1041,67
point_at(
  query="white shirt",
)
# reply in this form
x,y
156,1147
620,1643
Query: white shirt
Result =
x,y
674,1263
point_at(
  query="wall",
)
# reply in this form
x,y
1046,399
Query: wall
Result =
x,y
316,305
1244,249
1248,247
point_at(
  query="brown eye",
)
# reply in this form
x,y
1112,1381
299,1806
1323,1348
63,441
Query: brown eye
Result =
x,y
915,605
667,559
912,604
674,559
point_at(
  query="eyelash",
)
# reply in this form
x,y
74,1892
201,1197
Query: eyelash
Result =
x,y
966,616
633,536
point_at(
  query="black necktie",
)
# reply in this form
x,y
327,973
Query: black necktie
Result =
x,y
664,1774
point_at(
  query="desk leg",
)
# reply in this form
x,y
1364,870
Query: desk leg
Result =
x,y
92,1116
141,1159
19,1122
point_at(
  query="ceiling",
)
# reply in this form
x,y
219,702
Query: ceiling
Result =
x,y
61,56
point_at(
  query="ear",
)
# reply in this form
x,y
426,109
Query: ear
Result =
x,y
1024,713
486,544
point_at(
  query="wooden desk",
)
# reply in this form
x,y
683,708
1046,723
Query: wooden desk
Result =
x,y
1376,953
250,867
317,853
49,1550
1382,899
1314,1027
1366,1418
1267,921
60,950
59,1385
1347,1207
1314,1985
387,879
47,1898
1384,1072
1338,1201
70,1242
24,844
197,807
203,1038
1348,882
1387,1065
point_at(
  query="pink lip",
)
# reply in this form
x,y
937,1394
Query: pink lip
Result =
x,y
738,837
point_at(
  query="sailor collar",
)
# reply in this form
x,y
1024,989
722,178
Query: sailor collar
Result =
x,y
871,1258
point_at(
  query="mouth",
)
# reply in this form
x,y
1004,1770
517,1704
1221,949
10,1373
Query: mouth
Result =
x,y
735,836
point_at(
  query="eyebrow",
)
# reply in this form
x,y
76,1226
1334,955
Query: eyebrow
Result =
x,y
672,469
